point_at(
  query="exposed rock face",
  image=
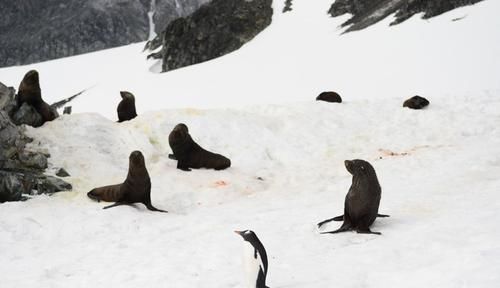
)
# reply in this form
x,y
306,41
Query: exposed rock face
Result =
x,y
368,12
36,30
215,29
21,170
288,6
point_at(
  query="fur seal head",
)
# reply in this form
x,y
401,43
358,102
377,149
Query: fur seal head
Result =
x,y
127,96
179,135
29,89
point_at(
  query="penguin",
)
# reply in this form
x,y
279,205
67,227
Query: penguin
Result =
x,y
255,259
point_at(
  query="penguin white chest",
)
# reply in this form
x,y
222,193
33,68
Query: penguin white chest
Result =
x,y
252,264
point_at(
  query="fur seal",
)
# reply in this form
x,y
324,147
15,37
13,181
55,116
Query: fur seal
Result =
x,y
190,155
126,108
330,96
416,102
29,92
362,200
135,189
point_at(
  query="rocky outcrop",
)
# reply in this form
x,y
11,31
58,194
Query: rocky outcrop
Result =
x,y
367,12
21,170
288,6
215,29
34,30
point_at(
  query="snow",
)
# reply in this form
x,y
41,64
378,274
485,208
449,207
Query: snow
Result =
x,y
438,167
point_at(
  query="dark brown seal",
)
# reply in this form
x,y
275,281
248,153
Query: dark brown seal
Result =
x,y
329,96
416,102
362,200
126,108
190,155
135,189
29,92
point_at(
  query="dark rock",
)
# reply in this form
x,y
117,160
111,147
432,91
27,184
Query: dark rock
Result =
x,y
50,184
27,115
62,173
416,102
21,170
67,110
215,29
288,6
368,12
35,30
329,96
7,96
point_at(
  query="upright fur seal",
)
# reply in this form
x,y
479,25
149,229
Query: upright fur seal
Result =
x,y
29,92
135,189
126,108
190,155
362,200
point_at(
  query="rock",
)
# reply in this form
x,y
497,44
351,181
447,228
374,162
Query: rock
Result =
x,y
34,30
330,96
62,173
215,29
288,6
416,102
27,115
50,185
368,12
7,98
21,170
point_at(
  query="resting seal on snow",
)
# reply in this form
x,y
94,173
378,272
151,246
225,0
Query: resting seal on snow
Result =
x,y
330,96
190,155
126,108
135,189
362,200
29,92
416,102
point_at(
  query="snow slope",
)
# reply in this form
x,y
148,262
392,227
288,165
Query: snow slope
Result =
x,y
439,168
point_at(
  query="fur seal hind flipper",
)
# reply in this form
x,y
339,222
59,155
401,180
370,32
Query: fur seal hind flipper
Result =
x,y
172,156
383,215
367,231
338,218
116,204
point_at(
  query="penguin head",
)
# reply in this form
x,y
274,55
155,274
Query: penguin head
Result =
x,y
248,235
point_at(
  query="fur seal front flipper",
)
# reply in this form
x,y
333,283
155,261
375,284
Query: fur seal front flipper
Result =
x,y
135,189
191,155
362,201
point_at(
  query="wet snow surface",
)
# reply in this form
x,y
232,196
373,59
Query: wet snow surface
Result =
x,y
439,168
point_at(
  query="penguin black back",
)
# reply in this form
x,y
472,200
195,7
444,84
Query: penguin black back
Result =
x,y
259,253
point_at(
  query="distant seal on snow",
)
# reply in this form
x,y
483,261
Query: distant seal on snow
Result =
x,y
416,102
29,92
329,96
135,189
126,108
362,200
190,155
